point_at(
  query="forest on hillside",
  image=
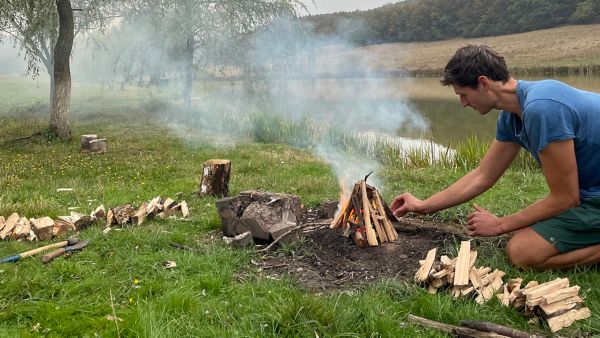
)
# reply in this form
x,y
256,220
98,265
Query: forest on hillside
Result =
x,y
431,20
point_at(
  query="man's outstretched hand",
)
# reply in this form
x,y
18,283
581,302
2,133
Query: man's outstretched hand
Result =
x,y
405,203
483,223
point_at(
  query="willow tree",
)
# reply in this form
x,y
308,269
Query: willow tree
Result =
x,y
44,30
197,29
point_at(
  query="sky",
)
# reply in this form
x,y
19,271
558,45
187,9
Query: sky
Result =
x,y
330,6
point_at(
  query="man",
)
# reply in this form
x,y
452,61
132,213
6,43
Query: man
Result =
x,y
560,126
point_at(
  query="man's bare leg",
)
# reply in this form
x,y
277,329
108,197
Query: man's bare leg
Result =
x,y
528,249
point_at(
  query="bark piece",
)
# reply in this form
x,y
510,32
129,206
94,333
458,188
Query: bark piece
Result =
x,y
215,178
99,212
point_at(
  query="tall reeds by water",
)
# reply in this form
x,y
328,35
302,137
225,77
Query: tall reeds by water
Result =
x,y
386,148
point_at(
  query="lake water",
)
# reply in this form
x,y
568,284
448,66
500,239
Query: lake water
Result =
x,y
406,107
446,121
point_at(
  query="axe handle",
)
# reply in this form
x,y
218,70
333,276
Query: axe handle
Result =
x,y
50,256
26,254
44,248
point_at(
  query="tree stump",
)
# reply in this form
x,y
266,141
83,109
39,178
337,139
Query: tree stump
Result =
x,y
85,141
215,178
98,146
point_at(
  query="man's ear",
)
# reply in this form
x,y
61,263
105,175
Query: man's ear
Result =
x,y
484,81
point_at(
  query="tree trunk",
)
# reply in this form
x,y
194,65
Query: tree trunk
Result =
x,y
61,101
189,68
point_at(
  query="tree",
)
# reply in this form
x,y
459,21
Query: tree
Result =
x,y
198,29
45,30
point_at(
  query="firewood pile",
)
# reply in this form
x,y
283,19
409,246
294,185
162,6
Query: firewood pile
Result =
x,y
17,227
365,216
555,302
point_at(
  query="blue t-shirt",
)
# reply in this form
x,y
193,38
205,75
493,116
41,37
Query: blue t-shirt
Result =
x,y
554,111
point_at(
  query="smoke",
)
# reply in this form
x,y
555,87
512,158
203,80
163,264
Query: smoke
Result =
x,y
280,84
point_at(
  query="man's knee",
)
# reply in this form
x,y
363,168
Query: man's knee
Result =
x,y
517,255
525,254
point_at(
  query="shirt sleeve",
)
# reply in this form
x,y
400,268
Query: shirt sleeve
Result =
x,y
546,121
505,128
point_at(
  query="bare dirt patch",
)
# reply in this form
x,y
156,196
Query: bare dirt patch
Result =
x,y
324,260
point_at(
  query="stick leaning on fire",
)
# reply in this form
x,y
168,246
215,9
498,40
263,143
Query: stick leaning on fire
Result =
x,y
365,216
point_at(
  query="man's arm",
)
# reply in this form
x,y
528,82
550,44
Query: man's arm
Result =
x,y
560,169
491,167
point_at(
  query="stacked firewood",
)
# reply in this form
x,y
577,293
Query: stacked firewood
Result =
x,y
17,227
555,302
156,207
365,216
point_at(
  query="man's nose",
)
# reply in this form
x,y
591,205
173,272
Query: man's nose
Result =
x,y
464,102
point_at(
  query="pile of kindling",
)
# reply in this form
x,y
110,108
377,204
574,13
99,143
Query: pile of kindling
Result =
x,y
555,301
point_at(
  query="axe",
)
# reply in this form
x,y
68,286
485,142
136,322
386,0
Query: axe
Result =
x,y
68,249
16,258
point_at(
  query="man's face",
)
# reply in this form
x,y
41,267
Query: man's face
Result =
x,y
475,98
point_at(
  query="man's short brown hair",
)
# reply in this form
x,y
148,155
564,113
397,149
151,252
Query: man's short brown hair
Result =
x,y
472,61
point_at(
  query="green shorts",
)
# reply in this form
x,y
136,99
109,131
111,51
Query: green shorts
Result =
x,y
575,228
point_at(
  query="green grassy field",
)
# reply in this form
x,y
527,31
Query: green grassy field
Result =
x,y
215,292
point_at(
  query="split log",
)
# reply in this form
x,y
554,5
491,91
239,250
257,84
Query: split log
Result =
x,y
371,235
140,215
561,306
463,263
21,229
215,178
98,146
566,319
9,225
42,227
85,141
185,211
99,212
423,273
81,221
61,227
123,213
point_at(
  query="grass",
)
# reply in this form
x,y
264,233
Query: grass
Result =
x,y
215,292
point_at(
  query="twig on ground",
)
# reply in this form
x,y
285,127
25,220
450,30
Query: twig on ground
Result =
x,y
114,313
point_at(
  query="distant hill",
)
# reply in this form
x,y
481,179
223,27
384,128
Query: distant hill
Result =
x,y
433,20
563,50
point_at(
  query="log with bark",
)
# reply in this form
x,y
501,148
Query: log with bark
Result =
x,y
215,178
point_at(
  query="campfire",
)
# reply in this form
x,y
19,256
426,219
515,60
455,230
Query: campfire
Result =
x,y
365,216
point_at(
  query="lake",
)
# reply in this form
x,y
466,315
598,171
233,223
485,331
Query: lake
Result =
x,y
377,103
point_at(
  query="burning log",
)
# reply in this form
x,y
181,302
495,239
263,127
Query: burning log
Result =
x,y
364,215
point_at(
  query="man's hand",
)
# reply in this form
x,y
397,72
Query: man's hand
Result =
x,y
405,203
483,223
